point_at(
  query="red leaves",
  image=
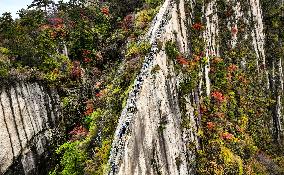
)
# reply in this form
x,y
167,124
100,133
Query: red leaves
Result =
x,y
55,20
105,11
76,71
210,125
234,30
197,26
87,60
127,22
227,136
99,94
218,96
89,107
56,23
203,109
78,132
86,52
182,60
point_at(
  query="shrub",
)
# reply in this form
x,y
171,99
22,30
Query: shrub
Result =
x,y
153,3
138,49
171,50
144,17
73,159
4,62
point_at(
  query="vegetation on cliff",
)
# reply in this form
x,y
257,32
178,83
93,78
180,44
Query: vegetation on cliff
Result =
x,y
92,51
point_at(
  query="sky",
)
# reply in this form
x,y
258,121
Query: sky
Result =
x,y
13,6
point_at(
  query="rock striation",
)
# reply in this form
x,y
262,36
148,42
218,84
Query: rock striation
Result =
x,y
29,120
149,138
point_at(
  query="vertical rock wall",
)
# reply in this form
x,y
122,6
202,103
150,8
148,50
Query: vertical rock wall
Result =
x,y
149,138
29,117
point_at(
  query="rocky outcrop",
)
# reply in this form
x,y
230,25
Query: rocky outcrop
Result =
x,y
29,120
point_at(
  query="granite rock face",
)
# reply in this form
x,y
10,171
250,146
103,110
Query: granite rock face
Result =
x,y
149,138
29,120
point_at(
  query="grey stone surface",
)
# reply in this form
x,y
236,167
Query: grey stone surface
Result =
x,y
140,146
28,113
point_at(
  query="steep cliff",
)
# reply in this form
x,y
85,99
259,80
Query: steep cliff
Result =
x,y
30,121
164,87
150,137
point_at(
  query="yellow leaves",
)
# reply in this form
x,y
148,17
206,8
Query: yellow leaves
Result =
x,y
200,133
144,17
231,160
243,121
4,50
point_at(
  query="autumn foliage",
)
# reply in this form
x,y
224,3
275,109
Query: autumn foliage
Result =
x,y
182,60
197,26
218,96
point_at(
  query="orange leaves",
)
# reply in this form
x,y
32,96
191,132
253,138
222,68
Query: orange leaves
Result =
x,y
53,35
182,60
58,26
89,107
218,96
99,56
243,79
239,129
197,58
55,28
232,68
203,109
44,27
219,115
197,26
98,84
217,60
99,94
210,125
105,11
227,136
